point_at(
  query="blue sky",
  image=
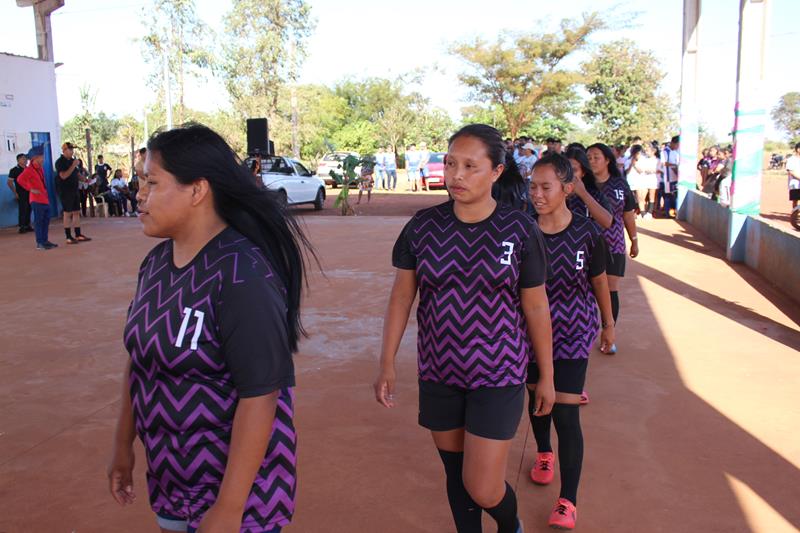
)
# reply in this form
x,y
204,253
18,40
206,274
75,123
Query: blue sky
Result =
x,y
96,41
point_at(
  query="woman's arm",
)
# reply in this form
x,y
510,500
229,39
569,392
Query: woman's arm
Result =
x,y
596,211
404,291
252,429
540,330
629,217
120,471
603,297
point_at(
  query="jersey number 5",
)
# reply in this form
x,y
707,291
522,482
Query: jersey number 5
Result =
x,y
198,327
506,259
579,261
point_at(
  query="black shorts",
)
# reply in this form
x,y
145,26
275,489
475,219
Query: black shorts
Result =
x,y
70,199
569,375
488,412
615,264
794,194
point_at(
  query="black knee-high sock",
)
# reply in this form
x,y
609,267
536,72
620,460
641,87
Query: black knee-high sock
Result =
x,y
615,305
466,513
567,420
540,425
505,512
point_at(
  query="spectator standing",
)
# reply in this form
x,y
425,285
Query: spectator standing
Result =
x,y
553,146
641,173
84,189
793,175
380,169
68,181
391,169
424,159
32,180
20,194
671,158
412,158
102,169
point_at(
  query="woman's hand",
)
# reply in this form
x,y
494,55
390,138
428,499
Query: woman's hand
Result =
x,y
220,520
607,338
634,248
545,396
120,475
580,188
384,386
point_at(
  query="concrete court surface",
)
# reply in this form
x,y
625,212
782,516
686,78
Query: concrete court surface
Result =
x,y
692,426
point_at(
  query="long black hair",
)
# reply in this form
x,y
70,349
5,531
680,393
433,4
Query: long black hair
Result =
x,y
510,187
608,153
561,167
193,152
589,181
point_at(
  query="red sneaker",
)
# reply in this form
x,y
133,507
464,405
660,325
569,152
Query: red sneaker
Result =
x,y
542,471
564,515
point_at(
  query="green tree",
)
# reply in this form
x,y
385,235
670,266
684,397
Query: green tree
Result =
x,y
103,128
525,76
786,116
544,126
263,47
360,136
175,30
624,84
478,114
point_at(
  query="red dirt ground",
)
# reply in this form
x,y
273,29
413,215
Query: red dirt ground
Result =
x,y
691,427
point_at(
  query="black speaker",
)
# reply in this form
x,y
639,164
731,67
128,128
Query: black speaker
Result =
x,y
257,136
271,148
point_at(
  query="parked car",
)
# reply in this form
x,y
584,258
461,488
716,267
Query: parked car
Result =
x,y
333,161
435,168
293,181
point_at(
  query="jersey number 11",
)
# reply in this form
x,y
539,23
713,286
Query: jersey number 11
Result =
x,y
198,328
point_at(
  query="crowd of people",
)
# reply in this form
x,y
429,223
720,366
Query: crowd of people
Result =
x,y
383,174
79,194
517,273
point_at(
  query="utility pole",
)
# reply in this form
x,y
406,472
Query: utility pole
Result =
x,y
687,169
749,127
90,168
167,87
295,140
146,128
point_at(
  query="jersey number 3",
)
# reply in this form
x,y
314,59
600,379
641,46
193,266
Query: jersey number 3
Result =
x,y
506,259
198,327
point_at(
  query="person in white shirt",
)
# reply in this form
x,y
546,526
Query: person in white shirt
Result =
x,y
642,177
424,159
793,174
526,160
119,192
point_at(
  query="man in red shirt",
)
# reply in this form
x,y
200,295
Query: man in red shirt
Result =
x,y
32,180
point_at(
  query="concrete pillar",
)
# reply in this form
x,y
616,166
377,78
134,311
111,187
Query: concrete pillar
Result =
x,y
44,33
687,170
749,127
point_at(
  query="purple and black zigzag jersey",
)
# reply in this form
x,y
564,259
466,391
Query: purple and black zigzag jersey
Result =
x,y
472,332
577,206
620,197
576,254
201,337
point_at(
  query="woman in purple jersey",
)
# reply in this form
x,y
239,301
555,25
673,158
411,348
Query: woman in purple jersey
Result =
x,y
479,266
623,208
210,332
577,285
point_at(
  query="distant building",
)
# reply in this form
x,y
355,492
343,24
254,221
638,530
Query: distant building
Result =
x,y
29,109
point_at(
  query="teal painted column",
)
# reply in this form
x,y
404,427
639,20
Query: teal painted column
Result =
x,y
749,127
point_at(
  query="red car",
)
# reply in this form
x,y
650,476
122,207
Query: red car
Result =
x,y
435,172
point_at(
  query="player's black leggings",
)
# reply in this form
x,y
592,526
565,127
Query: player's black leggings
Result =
x,y
567,420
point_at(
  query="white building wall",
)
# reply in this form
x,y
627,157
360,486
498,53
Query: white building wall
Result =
x,y
28,104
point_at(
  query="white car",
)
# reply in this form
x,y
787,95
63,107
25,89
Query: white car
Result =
x,y
333,161
293,181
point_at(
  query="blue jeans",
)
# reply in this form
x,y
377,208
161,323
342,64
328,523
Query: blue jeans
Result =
x,y
391,180
41,221
380,178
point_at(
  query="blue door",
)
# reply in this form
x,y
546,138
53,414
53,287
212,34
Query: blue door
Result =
x,y
43,139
